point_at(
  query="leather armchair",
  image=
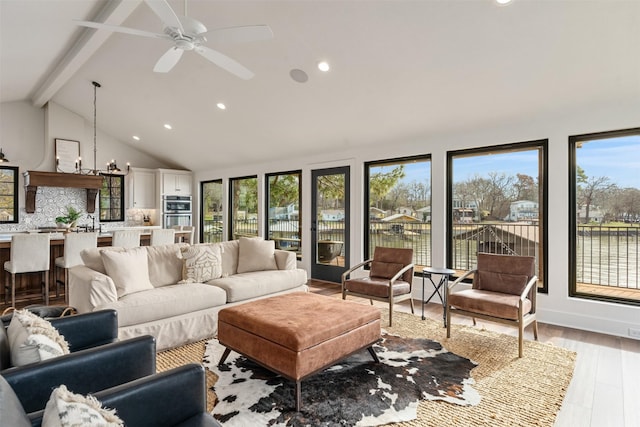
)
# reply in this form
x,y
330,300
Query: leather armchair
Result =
x,y
82,331
390,278
172,398
85,371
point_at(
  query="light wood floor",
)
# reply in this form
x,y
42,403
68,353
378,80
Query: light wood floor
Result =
x,y
605,389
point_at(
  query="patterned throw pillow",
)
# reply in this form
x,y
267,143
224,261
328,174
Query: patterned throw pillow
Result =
x,y
66,409
33,339
201,263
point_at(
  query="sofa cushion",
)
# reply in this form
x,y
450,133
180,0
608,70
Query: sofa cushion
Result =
x,y
91,257
65,408
229,257
256,254
33,339
243,286
128,269
201,263
166,301
165,264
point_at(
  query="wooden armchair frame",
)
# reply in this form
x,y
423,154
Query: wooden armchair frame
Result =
x,y
522,321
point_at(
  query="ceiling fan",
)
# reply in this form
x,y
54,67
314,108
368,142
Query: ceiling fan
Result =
x,y
189,34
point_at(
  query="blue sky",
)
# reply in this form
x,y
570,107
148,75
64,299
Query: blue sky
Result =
x,y
617,158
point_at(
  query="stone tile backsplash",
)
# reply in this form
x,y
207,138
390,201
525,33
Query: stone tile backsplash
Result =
x,y
52,202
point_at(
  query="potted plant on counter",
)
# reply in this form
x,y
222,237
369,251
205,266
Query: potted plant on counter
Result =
x,y
68,221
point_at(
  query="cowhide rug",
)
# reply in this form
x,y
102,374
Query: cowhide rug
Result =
x,y
355,391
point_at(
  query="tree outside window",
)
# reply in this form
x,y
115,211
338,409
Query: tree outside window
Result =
x,y
398,197
211,212
605,216
497,204
112,198
284,221
8,194
244,207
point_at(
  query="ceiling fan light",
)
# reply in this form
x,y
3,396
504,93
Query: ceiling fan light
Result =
x,y
323,66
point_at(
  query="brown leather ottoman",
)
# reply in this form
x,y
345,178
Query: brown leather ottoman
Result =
x,y
298,334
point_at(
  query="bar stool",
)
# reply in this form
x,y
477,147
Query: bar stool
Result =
x,y
29,254
163,236
126,238
74,243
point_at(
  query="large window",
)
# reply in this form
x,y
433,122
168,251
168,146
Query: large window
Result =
x,y
605,216
496,202
283,210
112,198
211,211
243,195
398,197
8,194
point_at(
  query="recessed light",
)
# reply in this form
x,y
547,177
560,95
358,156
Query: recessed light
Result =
x,y
323,66
503,1
137,138
167,126
221,106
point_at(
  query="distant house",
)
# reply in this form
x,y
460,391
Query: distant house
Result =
x,y
523,210
400,218
596,214
405,211
332,215
375,213
284,212
424,214
464,211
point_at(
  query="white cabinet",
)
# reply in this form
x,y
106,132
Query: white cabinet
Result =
x,y
142,188
175,183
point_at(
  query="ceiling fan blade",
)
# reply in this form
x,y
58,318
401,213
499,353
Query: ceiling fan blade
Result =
x,y
124,30
243,34
224,62
168,60
165,13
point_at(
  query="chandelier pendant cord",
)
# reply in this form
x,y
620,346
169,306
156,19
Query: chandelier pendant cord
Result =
x,y
96,85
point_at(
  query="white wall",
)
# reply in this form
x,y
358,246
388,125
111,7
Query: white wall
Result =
x,y
555,307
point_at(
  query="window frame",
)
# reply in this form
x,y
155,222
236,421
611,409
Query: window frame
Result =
x,y
542,145
202,184
573,223
231,213
267,197
121,198
16,196
367,177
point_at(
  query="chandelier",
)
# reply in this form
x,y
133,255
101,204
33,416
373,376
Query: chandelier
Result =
x,y
112,167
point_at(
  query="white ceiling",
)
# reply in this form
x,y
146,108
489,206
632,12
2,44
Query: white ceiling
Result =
x,y
401,70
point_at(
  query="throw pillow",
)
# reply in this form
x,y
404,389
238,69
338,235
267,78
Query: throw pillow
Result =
x,y
201,263
10,407
33,339
66,409
256,254
128,269
91,257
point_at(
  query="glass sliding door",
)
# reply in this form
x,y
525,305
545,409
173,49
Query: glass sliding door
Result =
x,y
330,223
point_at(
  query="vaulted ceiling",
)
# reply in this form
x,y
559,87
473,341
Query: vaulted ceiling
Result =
x,y
400,70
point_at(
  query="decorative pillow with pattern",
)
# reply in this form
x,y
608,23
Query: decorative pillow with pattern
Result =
x,y
201,263
33,339
66,409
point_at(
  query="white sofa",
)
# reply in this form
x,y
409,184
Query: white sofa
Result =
x,y
176,313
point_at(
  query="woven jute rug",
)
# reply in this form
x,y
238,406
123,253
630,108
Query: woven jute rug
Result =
x,y
514,391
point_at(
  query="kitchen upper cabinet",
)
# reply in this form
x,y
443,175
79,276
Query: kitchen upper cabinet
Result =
x,y
142,188
175,183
